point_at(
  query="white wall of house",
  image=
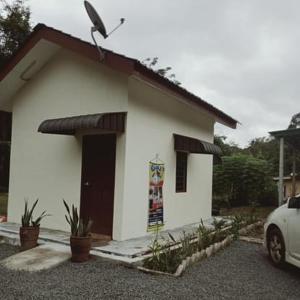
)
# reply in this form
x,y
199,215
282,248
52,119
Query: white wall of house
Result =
x,y
47,166
152,119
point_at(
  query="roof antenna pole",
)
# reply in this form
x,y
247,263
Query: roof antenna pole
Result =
x,y
98,26
102,56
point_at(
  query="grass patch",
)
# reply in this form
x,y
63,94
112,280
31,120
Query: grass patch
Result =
x,y
3,204
260,211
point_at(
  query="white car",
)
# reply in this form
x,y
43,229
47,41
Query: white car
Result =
x,y
282,233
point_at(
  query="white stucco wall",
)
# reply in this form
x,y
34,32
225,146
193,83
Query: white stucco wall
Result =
x,y
152,119
48,166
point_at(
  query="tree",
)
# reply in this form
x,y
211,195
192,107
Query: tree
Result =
x,y
164,72
295,121
242,180
268,149
227,148
14,27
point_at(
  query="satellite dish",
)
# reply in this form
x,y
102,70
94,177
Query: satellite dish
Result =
x,y
95,18
98,25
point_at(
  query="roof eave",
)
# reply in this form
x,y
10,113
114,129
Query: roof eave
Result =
x,y
113,60
221,117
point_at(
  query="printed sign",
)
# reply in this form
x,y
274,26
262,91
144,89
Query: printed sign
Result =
x,y
156,181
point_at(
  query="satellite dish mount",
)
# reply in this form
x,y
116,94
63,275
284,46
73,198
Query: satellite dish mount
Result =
x,y
98,26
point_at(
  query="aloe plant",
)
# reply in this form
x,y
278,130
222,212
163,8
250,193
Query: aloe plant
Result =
x,y
79,228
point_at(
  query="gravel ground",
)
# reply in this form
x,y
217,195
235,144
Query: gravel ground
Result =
x,y
242,271
7,250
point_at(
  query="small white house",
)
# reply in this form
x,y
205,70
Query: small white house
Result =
x,y
125,145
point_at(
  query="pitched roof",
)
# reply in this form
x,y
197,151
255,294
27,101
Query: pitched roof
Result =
x,y
113,60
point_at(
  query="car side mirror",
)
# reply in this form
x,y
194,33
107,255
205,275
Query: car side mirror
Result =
x,y
294,202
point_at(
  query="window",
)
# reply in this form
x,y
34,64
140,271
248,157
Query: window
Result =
x,y
181,171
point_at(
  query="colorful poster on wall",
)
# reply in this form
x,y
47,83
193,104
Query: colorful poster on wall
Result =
x,y
156,182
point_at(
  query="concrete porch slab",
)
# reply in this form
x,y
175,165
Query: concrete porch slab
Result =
x,y
39,258
46,235
128,251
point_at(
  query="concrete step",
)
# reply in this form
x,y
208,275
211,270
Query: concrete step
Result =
x,y
40,258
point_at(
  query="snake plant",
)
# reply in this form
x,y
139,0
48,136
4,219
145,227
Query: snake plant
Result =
x,y
79,228
27,217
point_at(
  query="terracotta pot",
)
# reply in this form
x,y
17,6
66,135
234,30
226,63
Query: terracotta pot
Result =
x,y
29,237
80,247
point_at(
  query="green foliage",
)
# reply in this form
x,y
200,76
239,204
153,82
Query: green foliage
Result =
x,y
218,224
154,261
167,253
38,220
27,217
164,72
163,258
229,148
170,259
14,27
295,121
242,179
239,221
187,246
263,148
268,149
236,225
218,234
79,228
204,236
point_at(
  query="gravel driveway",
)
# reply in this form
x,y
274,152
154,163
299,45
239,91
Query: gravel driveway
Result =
x,y
242,271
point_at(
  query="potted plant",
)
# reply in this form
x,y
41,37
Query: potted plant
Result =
x,y
80,239
30,229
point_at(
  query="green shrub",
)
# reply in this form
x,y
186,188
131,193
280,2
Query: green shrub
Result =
x,y
167,253
163,258
187,246
204,236
242,179
237,222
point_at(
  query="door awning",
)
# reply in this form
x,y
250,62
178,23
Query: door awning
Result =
x,y
191,145
107,121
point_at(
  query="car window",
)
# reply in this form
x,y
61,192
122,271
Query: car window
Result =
x,y
293,202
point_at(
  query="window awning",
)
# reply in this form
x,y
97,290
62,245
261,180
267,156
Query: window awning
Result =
x,y
107,121
191,145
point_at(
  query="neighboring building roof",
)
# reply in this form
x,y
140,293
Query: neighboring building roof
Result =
x,y
291,132
113,60
291,136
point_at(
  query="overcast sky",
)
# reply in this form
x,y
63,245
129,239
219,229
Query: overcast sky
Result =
x,y
241,56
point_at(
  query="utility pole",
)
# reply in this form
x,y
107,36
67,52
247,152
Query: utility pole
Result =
x,y
294,174
281,171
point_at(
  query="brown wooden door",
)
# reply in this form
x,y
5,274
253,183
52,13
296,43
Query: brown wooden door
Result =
x,y
98,181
